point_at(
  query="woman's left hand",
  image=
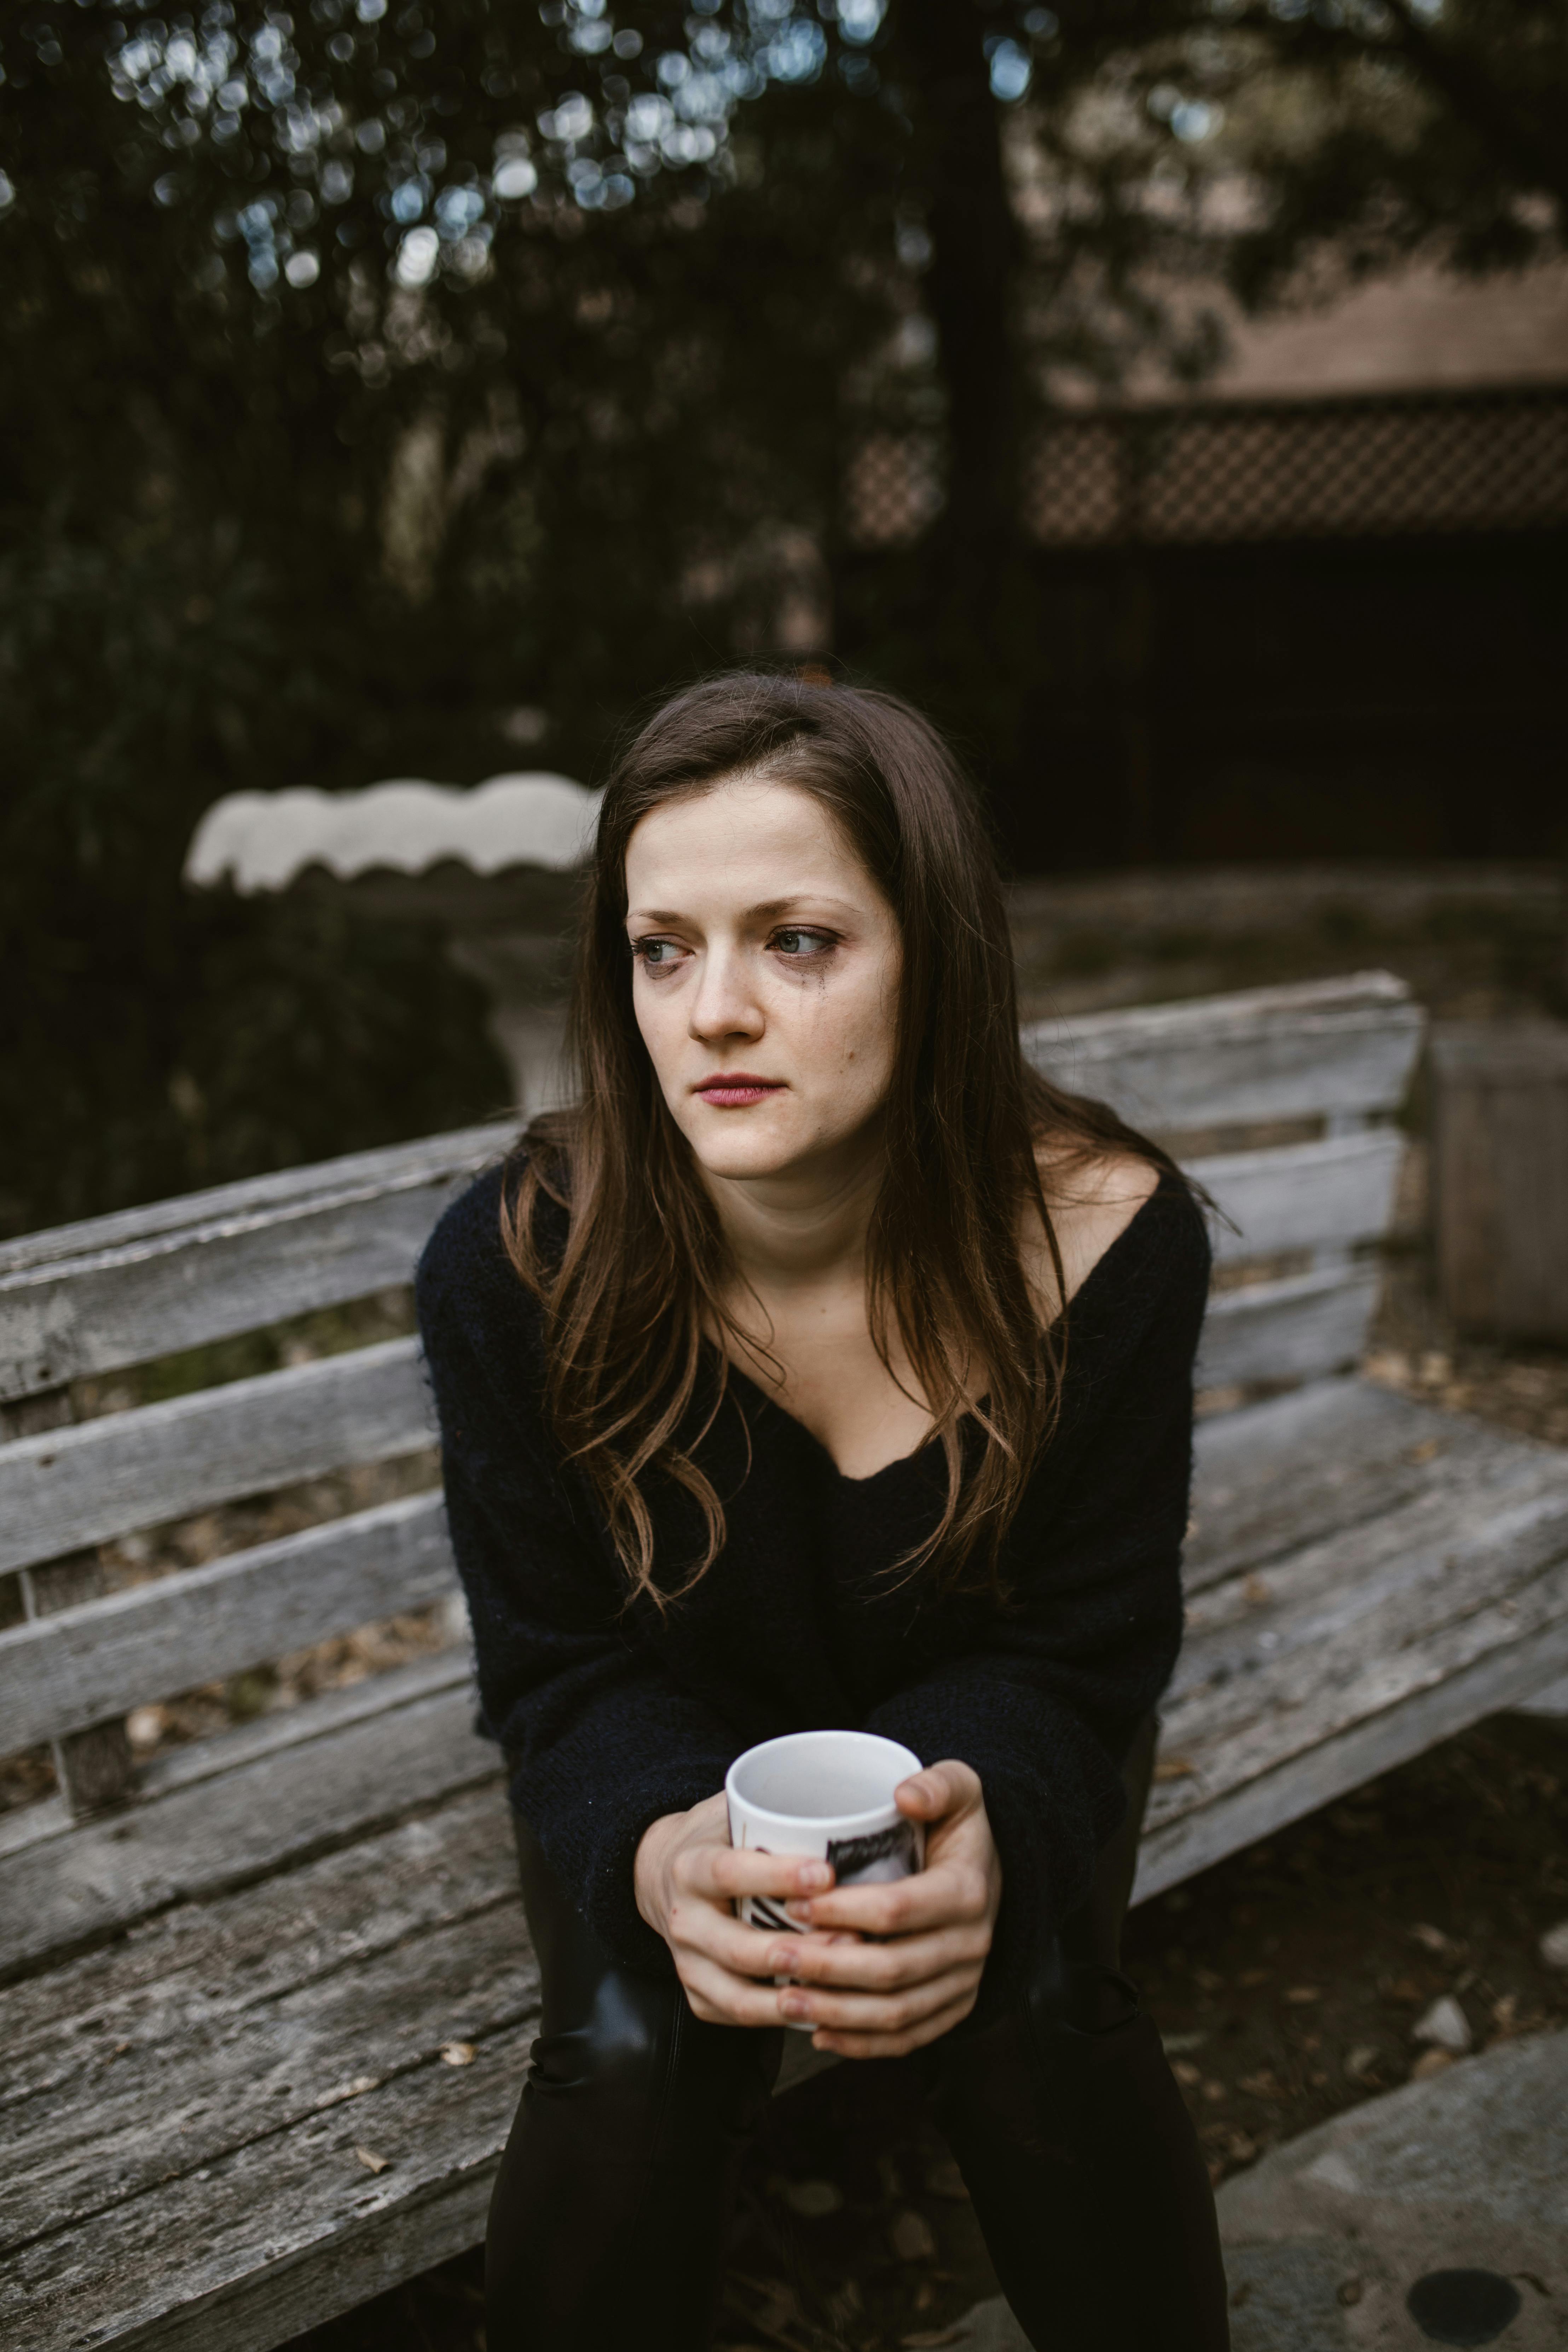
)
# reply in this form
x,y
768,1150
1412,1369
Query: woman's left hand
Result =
x,y
880,1999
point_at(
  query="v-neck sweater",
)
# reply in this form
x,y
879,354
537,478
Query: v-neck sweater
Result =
x,y
613,1715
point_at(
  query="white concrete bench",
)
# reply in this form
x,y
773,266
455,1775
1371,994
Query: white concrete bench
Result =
x,y
230,1977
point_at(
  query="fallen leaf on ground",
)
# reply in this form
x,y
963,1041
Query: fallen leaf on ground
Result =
x,y
1251,1979
912,2237
1427,1450
1174,2044
1261,2085
1431,2061
1185,2072
1303,1994
1350,2291
811,2199
944,2178
1433,1938
1554,1946
1360,2061
1214,2091
1254,1590
1174,1767
371,2161
458,2054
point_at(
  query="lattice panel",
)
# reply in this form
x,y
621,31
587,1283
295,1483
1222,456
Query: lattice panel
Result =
x,y
894,488
1348,468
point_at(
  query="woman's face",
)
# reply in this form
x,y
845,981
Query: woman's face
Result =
x,y
766,977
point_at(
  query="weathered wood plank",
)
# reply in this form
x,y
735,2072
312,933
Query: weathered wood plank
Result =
x,y
61,1673
118,1290
224,2053
77,1485
1359,1753
1275,1666
285,2231
1499,1175
1270,1654
194,1838
1307,1466
1342,1045
1331,1194
1298,1328
121,1290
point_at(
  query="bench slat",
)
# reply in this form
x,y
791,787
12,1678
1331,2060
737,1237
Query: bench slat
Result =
x,y
249,2024
1329,1195
335,1768
1306,1466
60,1674
1298,1329
119,1290
79,1486
329,1974
1275,1665
1341,1046
1455,1696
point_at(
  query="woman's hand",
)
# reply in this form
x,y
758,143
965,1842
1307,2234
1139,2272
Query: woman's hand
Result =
x,y
921,1977
867,1999
688,1876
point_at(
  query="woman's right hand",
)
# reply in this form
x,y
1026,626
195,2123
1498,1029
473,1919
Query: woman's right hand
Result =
x,y
686,1877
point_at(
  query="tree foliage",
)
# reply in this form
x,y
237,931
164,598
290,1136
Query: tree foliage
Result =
x,y
389,381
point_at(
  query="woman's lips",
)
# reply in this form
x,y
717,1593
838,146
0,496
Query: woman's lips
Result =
x,y
732,1089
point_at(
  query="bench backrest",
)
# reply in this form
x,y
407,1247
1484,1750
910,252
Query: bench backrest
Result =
x,y
1312,1075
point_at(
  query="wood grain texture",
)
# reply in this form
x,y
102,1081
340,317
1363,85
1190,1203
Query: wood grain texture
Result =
x,y
1500,1170
224,2022
1331,1194
1312,1465
1342,1045
120,1290
62,1673
1349,1759
76,1487
195,1838
1300,1329
204,2087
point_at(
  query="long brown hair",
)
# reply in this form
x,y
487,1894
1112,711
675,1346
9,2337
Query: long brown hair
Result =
x,y
646,1269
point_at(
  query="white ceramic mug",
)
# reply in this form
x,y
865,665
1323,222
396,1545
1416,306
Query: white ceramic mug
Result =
x,y
828,1794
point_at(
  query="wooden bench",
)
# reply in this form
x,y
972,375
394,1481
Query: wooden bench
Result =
x,y
269,1999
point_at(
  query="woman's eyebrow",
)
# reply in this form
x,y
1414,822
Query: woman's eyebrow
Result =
x,y
764,909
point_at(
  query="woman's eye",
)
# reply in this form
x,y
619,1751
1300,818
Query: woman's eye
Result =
x,y
797,943
658,954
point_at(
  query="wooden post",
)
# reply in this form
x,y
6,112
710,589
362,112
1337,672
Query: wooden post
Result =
x,y
1499,1162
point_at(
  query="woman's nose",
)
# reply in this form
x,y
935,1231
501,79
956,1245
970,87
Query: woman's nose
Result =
x,y
725,1004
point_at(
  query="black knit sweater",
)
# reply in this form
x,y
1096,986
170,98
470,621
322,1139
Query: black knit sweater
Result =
x,y
612,1716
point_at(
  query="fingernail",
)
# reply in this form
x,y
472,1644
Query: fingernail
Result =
x,y
814,1874
793,2004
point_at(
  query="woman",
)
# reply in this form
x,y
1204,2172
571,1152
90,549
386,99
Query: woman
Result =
x,y
824,1366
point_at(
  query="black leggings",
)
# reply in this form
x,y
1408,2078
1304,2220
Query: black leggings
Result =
x,y
612,2211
